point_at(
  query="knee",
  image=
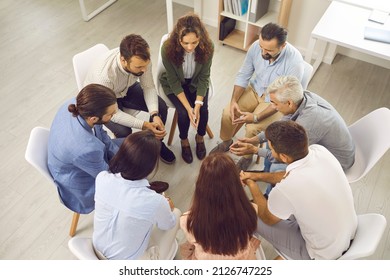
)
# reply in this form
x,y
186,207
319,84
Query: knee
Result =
x,y
252,130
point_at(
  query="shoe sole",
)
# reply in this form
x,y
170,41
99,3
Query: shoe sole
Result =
x,y
167,162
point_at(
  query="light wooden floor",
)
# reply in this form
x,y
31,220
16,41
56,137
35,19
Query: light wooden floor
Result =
x,y
38,41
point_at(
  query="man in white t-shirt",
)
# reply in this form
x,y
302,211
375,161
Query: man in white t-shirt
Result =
x,y
310,213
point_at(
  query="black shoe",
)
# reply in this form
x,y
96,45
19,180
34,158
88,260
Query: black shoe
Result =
x,y
166,154
159,186
200,150
186,154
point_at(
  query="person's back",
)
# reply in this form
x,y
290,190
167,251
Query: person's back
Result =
x,y
221,220
317,193
77,152
131,220
133,208
326,127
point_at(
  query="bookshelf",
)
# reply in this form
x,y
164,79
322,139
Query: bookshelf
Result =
x,y
246,31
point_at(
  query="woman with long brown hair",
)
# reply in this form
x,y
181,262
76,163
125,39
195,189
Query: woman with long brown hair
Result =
x,y
187,55
221,221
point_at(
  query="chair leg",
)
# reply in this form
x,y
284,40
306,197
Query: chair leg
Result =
x,y
173,128
209,132
73,226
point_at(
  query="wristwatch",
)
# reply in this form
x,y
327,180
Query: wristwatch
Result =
x,y
155,114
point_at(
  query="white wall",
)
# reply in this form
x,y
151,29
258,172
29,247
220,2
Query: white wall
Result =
x,y
303,17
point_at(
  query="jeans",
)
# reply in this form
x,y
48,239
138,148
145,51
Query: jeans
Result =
x,y
183,119
134,99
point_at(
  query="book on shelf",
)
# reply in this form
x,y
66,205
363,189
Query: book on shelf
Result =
x,y
258,9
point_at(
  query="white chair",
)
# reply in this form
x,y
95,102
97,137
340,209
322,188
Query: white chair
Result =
x,y
83,60
160,91
307,72
369,233
371,135
36,155
82,248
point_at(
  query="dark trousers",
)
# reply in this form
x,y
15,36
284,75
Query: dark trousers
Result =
x,y
183,119
134,99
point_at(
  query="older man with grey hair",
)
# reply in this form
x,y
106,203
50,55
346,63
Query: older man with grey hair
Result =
x,y
322,122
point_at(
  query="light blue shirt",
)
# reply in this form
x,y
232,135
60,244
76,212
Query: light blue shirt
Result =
x,y
260,73
125,213
76,155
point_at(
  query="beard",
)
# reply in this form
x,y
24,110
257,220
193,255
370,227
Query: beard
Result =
x,y
267,56
139,74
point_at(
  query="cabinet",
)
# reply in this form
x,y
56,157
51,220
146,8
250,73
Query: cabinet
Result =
x,y
246,32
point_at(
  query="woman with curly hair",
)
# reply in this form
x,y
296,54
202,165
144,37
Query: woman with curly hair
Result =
x,y
187,55
221,220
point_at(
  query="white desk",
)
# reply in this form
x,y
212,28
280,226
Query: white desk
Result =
x,y
343,24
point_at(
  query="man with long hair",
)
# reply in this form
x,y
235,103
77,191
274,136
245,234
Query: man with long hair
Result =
x,y
310,213
79,148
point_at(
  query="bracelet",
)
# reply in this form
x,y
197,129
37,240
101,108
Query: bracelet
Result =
x,y
255,119
199,102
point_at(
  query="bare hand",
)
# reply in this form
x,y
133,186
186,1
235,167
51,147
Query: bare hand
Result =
x,y
245,177
242,149
155,128
197,115
159,122
235,111
192,117
245,117
253,140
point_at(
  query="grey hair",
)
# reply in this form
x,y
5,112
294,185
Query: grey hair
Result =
x,y
286,88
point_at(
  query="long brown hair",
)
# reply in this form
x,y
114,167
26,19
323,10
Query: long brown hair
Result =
x,y
137,157
189,23
221,217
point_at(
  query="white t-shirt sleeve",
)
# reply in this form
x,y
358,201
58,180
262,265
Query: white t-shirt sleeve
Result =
x,y
279,205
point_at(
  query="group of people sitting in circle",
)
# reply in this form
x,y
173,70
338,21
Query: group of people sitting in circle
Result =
x,y
308,209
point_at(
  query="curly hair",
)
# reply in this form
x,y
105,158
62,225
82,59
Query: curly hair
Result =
x,y
189,23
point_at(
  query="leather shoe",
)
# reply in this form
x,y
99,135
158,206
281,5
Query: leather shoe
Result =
x,y
200,150
159,186
186,154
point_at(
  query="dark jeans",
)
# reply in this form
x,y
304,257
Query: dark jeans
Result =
x,y
134,99
183,119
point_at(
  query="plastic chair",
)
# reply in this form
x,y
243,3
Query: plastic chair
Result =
x,y
160,91
369,233
371,135
83,60
36,155
82,248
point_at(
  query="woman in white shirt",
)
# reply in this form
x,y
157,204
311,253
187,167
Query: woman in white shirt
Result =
x,y
131,220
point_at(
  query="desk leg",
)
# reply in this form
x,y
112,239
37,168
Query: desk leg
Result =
x,y
87,16
169,6
320,56
309,50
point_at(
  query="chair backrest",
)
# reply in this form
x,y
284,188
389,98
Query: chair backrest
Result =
x,y
82,248
36,151
161,69
371,135
82,61
368,235
307,72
